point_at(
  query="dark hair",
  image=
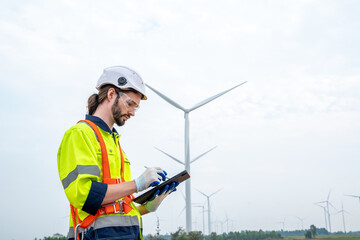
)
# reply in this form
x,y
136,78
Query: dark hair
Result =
x,y
97,98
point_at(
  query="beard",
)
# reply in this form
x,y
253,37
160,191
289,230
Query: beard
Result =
x,y
117,114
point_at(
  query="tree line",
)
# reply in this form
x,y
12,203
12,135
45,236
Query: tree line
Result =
x,y
180,234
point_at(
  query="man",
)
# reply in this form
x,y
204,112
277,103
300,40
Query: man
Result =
x,y
95,172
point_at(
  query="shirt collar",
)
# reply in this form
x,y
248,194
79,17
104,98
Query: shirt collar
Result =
x,y
100,123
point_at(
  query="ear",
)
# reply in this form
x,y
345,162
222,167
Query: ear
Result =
x,y
111,94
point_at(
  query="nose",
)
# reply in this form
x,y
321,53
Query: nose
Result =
x,y
131,112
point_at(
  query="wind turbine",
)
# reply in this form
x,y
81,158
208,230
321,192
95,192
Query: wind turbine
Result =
x,y
208,201
342,212
328,209
302,222
203,213
283,224
187,145
227,222
324,208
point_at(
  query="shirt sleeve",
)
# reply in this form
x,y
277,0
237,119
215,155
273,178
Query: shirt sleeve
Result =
x,y
80,171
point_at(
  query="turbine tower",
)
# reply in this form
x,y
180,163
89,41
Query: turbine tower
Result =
x,y
343,217
328,209
324,208
283,224
187,145
227,222
203,215
302,222
208,201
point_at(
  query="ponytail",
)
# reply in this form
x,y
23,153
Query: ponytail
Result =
x,y
93,103
97,98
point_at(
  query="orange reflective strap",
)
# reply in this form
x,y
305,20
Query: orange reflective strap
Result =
x,y
122,163
73,214
104,156
89,220
122,206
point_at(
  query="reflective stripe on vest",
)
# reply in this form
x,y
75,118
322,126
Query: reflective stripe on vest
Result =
x,y
121,206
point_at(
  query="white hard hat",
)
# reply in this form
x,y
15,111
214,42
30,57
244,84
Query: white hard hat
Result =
x,y
123,78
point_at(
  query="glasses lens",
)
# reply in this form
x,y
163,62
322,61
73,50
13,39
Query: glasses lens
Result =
x,y
130,103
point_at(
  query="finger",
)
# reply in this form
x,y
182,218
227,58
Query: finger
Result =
x,y
164,189
177,184
158,169
155,195
172,186
155,183
162,175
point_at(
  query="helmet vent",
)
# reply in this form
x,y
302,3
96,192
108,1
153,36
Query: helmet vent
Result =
x,y
122,81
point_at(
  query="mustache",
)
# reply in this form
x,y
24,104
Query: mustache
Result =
x,y
127,115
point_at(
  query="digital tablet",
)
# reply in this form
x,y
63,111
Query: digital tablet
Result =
x,y
147,195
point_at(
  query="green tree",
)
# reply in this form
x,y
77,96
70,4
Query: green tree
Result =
x,y
313,231
180,234
213,236
308,234
195,236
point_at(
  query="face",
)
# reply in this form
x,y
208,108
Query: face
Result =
x,y
125,106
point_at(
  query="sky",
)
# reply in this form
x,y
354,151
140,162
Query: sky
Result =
x,y
285,139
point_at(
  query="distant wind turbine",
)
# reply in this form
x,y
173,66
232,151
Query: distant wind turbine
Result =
x,y
328,209
227,223
203,213
343,217
208,201
187,145
302,222
324,208
283,224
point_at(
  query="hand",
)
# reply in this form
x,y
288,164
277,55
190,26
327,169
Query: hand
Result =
x,y
158,197
151,177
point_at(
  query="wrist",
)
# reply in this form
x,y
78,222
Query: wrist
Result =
x,y
140,184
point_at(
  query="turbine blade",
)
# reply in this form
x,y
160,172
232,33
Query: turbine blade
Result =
x,y
216,191
200,104
332,206
328,195
353,196
319,205
169,100
182,211
173,158
183,195
202,193
202,154
347,212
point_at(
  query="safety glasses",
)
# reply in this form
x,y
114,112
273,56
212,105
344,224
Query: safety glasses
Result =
x,y
129,102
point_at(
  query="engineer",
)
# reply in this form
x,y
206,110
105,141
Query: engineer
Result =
x,y
94,170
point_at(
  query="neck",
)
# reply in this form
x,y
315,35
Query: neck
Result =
x,y
105,115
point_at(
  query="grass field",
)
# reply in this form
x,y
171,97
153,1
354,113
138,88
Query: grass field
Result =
x,y
328,237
